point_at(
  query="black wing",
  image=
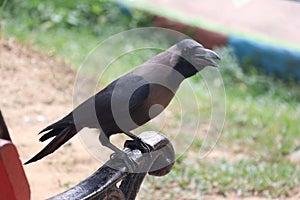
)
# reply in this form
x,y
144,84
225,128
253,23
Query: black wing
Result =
x,y
119,99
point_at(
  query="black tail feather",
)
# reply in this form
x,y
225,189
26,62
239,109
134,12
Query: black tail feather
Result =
x,y
50,134
63,134
64,122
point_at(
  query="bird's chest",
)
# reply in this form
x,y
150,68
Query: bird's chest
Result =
x,y
158,99
161,95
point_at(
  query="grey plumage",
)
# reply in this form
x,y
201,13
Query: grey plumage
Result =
x,y
124,104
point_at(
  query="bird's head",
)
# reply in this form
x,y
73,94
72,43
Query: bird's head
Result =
x,y
190,57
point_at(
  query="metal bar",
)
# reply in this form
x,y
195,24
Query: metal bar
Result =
x,y
130,169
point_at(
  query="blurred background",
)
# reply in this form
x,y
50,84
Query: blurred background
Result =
x,y
257,156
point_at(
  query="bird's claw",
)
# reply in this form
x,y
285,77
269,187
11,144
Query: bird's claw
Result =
x,y
139,144
136,143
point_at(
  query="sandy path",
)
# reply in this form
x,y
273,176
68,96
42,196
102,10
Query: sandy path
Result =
x,y
35,91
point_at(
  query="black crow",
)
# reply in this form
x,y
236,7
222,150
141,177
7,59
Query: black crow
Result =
x,y
125,103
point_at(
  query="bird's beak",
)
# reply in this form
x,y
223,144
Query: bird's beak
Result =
x,y
206,57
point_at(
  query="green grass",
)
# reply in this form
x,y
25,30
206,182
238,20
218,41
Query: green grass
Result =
x,y
66,29
222,177
58,43
261,128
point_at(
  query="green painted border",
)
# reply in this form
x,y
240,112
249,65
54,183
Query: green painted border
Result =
x,y
203,23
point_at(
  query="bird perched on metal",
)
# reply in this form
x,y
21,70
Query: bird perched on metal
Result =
x,y
125,103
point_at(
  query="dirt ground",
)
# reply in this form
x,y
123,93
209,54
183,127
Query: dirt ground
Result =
x,y
35,91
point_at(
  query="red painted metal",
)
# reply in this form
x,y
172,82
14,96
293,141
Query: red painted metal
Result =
x,y
13,182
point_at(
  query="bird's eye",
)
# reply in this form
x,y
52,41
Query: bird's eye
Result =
x,y
185,49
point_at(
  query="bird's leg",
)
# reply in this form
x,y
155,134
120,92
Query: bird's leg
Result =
x,y
131,135
138,142
104,140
